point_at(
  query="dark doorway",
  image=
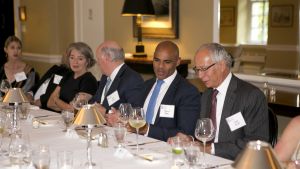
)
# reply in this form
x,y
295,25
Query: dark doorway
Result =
x,y
6,25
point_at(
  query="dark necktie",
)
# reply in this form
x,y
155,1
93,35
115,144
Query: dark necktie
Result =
x,y
214,107
152,101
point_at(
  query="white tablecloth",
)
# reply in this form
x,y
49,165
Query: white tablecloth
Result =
x,y
52,135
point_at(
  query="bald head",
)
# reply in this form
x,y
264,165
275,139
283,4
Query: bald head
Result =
x,y
109,56
169,47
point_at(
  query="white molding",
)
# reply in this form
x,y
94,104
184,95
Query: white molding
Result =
x,y
216,21
38,57
288,71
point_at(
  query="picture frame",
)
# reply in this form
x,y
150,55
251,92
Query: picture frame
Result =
x,y
165,22
282,15
227,16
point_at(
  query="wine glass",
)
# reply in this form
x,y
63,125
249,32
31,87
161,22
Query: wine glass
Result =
x,y
79,100
204,132
68,117
125,110
137,120
119,132
4,86
41,157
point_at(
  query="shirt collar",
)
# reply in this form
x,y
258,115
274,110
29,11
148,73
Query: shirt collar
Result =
x,y
115,72
224,85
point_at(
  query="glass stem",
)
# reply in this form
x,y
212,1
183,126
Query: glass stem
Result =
x,y
204,144
137,139
89,154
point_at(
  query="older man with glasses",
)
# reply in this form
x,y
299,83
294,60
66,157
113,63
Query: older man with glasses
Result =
x,y
239,110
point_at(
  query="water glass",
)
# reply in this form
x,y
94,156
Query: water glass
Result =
x,y
192,154
41,157
177,151
24,111
65,160
119,132
79,100
19,149
4,86
68,117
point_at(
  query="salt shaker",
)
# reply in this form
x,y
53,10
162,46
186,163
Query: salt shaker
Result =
x,y
103,140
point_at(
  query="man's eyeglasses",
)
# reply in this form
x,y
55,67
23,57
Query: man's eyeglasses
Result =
x,y
202,69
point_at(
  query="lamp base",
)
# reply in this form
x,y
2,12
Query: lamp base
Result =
x,y
139,49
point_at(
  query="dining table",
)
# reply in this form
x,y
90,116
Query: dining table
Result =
x,y
152,153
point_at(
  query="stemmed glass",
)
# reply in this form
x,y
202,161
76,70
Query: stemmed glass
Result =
x,y
4,85
205,131
120,132
137,120
125,110
68,117
79,100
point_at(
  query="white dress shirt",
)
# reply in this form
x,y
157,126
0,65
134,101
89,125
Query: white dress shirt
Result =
x,y
112,78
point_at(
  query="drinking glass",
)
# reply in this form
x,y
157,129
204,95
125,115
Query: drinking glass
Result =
x,y
41,157
125,110
4,86
192,153
65,160
177,150
24,111
137,120
204,132
2,136
79,100
68,117
119,132
19,149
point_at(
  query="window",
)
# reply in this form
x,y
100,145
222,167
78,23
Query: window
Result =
x,y
259,21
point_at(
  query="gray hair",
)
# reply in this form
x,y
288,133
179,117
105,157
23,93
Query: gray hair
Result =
x,y
114,53
217,53
85,50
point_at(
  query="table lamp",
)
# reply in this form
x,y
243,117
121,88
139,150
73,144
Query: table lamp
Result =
x,y
15,97
258,155
89,116
138,8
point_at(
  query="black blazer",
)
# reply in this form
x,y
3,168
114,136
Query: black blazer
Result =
x,y
129,85
59,70
186,99
251,102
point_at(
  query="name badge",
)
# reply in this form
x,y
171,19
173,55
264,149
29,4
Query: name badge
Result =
x,y
57,79
236,121
167,111
20,76
112,98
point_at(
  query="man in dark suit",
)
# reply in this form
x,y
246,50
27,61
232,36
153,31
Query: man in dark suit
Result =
x,y
176,107
239,110
119,83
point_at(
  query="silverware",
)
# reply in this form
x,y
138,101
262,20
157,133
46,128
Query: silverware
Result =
x,y
219,165
42,116
144,157
140,144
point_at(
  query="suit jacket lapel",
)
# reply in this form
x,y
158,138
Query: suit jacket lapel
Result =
x,y
169,96
228,107
114,86
206,103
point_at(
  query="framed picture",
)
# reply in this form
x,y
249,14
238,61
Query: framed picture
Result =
x,y
282,15
227,16
165,22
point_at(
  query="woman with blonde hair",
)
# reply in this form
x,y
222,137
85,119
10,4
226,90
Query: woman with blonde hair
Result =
x,y
18,73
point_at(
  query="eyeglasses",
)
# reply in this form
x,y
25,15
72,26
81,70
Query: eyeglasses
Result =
x,y
202,69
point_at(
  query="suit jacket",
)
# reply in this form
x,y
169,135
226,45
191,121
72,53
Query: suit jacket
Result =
x,y
251,102
59,70
129,85
186,99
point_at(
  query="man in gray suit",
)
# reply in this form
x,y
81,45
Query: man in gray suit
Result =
x,y
238,109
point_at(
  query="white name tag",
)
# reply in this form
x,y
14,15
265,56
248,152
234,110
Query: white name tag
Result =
x,y
57,79
20,76
167,111
236,121
112,98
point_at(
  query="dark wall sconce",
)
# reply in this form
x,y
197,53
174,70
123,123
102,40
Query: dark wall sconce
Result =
x,y
22,13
